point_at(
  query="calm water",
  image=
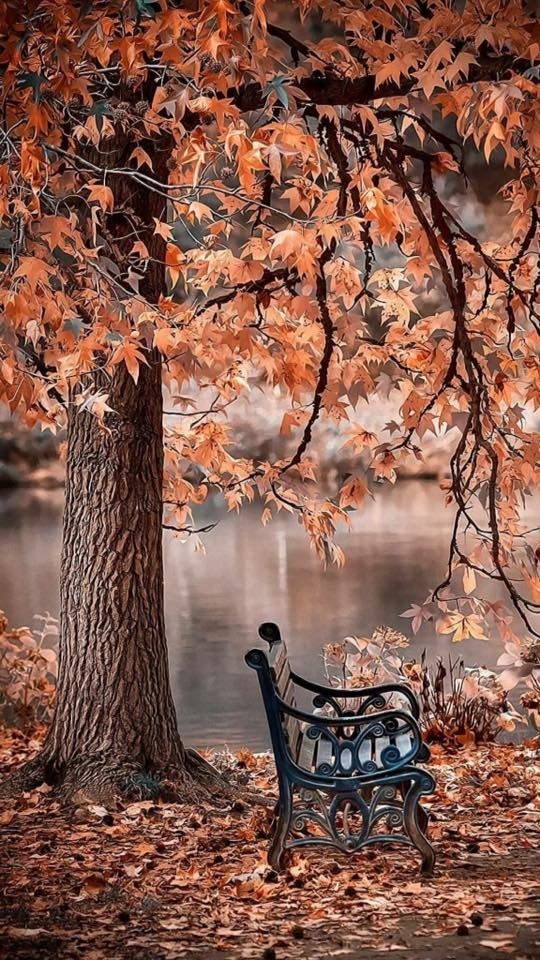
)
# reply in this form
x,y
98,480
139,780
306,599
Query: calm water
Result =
x,y
214,603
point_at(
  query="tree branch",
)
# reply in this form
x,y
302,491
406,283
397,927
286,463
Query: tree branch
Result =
x,y
331,88
322,381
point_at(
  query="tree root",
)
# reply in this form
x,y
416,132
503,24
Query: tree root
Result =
x,y
96,779
31,775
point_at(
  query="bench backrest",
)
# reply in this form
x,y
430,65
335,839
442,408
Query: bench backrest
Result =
x,y
280,668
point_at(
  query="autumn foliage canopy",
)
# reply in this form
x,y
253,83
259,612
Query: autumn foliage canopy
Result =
x,y
307,174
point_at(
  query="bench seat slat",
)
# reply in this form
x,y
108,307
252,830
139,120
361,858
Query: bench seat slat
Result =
x,y
277,659
403,743
286,691
364,753
306,753
325,754
380,744
294,734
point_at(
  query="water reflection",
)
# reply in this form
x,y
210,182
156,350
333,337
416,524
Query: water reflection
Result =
x,y
395,552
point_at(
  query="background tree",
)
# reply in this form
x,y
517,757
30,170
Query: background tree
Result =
x,y
312,184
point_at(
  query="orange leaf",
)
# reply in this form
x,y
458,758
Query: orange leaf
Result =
x,y
102,195
141,157
131,355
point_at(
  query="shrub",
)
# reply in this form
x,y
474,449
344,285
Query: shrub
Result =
x,y
460,704
522,664
27,671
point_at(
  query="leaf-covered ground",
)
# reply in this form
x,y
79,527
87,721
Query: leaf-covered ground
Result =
x,y
154,881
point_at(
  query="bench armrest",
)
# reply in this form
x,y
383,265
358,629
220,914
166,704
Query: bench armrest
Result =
x,y
390,718
374,695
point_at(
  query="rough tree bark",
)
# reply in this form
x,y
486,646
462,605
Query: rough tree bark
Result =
x,y
114,727
115,714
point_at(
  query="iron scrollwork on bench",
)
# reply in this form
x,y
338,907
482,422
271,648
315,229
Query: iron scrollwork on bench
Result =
x,y
347,777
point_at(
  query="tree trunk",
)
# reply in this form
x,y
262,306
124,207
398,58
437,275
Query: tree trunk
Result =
x,y
115,713
114,727
115,717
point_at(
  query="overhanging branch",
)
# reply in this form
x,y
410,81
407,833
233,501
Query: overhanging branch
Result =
x,y
333,89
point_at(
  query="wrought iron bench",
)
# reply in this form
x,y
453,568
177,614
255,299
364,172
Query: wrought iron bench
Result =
x,y
346,779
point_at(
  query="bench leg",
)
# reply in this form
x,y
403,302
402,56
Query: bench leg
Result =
x,y
423,818
422,814
281,827
415,821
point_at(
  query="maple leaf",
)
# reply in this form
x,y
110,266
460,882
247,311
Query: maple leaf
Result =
x,y
383,466
469,580
293,418
129,352
461,626
96,404
266,516
353,492
174,259
35,271
141,158
392,70
101,194
140,250
274,162
286,243
418,615
162,229
199,211
165,340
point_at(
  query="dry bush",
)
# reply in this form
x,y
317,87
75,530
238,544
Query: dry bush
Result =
x,y
460,704
521,661
28,667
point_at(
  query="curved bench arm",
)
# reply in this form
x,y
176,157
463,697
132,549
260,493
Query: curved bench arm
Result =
x,y
270,633
353,720
374,694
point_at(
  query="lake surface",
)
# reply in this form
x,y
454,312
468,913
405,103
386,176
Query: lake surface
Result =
x,y
396,551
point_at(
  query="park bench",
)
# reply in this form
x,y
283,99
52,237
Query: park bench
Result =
x,y
348,777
